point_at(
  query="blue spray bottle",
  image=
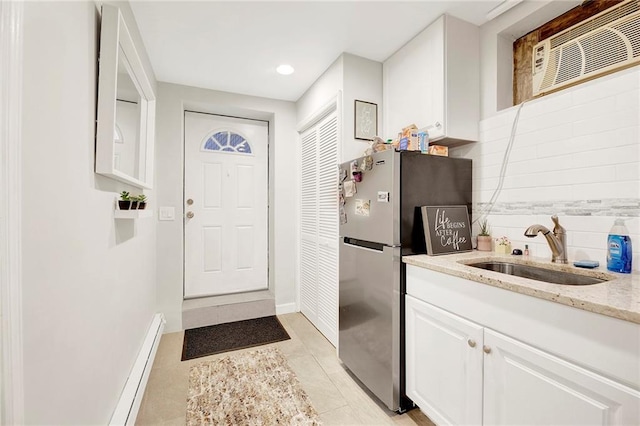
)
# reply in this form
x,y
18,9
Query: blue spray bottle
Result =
x,y
619,254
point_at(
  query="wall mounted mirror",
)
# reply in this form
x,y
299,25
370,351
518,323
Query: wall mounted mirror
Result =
x,y
126,106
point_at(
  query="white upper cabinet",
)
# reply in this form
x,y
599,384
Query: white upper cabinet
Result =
x,y
434,82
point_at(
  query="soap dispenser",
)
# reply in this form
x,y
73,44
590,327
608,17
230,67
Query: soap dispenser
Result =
x,y
619,254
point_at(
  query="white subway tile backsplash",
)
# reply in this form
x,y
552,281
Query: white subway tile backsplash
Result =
x,y
611,189
554,117
627,136
545,163
515,221
551,178
614,155
518,168
593,240
633,225
589,175
495,146
619,82
496,133
608,121
579,253
558,192
551,103
522,153
482,196
550,149
628,171
544,134
576,153
627,100
604,140
540,193
486,172
502,118
590,110
595,224
515,182
486,184
492,159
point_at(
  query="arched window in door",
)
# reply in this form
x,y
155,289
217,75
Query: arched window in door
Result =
x,y
226,141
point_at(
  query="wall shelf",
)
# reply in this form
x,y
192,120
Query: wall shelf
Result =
x,y
132,214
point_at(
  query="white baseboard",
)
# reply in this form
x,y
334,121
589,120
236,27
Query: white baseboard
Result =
x,y
127,409
286,308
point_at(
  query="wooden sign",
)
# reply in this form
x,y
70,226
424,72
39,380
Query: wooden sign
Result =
x,y
446,229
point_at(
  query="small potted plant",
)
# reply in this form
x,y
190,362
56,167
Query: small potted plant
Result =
x,y
142,201
503,245
484,236
125,201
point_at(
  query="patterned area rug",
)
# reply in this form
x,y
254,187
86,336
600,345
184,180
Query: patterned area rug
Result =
x,y
251,388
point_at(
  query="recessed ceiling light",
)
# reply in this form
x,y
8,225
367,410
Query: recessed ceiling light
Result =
x,y
285,69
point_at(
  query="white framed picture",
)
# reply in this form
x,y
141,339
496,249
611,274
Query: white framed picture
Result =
x,y
366,120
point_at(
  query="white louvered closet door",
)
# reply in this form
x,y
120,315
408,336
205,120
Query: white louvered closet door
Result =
x,y
309,226
319,226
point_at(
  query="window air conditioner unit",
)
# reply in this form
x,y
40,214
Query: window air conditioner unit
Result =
x,y
600,44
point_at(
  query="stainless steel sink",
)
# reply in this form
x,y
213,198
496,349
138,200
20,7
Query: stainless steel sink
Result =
x,y
537,273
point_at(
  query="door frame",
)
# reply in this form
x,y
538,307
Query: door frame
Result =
x,y
11,335
270,237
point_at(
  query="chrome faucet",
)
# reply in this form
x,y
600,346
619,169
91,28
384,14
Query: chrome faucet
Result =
x,y
557,240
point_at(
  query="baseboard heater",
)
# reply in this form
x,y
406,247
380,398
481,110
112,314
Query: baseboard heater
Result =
x,y
127,409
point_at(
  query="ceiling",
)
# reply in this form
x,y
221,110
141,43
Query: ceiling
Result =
x,y
235,46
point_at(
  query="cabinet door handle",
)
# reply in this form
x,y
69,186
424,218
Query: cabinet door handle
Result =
x,y
471,343
190,215
486,349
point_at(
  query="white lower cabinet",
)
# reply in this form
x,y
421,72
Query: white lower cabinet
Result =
x,y
524,385
443,364
462,373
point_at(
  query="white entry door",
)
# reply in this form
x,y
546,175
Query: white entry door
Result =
x,y
226,197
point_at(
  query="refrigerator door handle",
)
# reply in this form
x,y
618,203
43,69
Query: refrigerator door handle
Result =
x,y
362,244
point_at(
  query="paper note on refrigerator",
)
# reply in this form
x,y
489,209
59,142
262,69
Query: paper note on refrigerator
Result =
x,y
350,188
362,207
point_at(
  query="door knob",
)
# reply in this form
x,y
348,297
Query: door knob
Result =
x,y
486,349
190,215
189,201
471,343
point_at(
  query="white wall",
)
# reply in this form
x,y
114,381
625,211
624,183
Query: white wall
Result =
x,y
88,280
363,81
350,77
283,187
576,153
322,91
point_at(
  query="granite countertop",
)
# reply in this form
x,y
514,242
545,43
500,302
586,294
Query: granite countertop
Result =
x,y
618,298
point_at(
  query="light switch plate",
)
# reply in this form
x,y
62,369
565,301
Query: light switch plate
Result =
x,y
166,213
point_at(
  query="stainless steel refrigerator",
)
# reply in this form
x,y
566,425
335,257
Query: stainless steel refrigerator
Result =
x,y
380,223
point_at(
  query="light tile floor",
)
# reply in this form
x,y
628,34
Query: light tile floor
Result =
x,y
336,396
